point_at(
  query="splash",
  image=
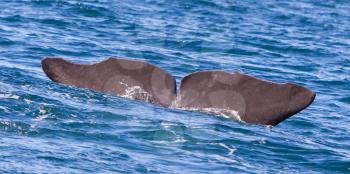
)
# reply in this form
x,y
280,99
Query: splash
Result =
x,y
224,112
137,92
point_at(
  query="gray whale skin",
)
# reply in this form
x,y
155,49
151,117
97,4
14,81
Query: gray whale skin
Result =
x,y
231,94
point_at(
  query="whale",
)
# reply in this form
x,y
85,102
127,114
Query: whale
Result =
x,y
230,94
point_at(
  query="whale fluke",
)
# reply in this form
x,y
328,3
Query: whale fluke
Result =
x,y
231,94
128,78
251,99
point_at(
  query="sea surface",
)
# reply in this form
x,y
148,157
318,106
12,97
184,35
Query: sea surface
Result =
x,y
47,127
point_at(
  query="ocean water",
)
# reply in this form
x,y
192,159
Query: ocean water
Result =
x,y
52,128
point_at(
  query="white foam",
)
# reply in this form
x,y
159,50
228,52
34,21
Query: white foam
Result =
x,y
223,159
231,150
28,101
224,112
136,92
227,113
41,117
42,110
9,96
42,114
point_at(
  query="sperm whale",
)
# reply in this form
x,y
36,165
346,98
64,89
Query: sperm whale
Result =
x,y
233,95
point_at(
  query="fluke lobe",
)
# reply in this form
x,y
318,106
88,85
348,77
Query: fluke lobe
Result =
x,y
231,94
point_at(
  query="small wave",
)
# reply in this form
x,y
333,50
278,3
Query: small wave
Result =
x,y
5,109
4,63
9,96
14,126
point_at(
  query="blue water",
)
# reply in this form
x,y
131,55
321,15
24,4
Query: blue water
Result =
x,y
51,128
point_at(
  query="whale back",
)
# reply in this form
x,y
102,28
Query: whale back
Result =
x,y
248,98
128,78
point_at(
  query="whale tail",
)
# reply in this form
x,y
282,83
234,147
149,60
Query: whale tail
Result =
x,y
254,100
231,94
128,78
